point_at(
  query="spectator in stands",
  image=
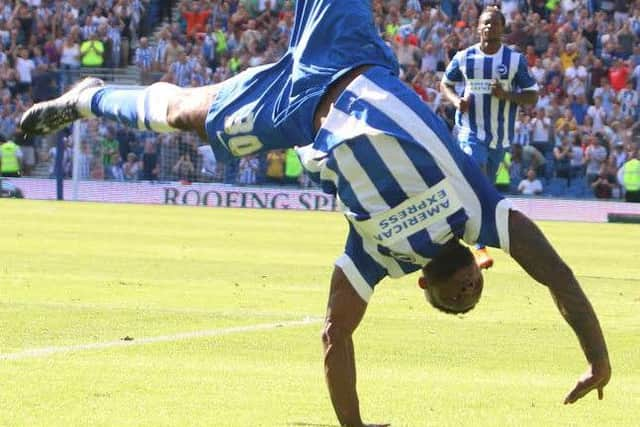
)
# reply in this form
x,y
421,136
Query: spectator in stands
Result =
x,y
541,131
131,167
247,169
195,16
53,158
27,146
524,158
168,152
619,74
184,168
144,61
293,169
180,71
594,157
503,176
85,160
629,177
598,114
109,147
92,51
10,158
628,99
577,157
531,185
275,167
604,183
562,155
114,171
619,157
69,59
150,167
160,52
579,108
25,68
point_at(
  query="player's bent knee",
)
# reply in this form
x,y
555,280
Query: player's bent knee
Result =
x,y
332,333
158,101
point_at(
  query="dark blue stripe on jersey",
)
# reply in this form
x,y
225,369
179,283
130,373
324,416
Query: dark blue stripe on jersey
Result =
x,y
487,73
378,172
406,267
424,163
506,61
472,109
457,222
346,193
371,271
513,109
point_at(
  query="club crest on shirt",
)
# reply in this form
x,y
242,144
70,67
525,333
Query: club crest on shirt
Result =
x,y
502,70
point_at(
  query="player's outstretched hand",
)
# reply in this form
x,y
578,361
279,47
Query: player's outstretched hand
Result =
x,y
596,377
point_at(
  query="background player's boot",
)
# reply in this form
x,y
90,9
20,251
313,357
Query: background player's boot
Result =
x,y
49,116
483,259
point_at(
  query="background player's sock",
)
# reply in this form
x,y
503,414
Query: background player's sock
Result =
x,y
483,258
138,107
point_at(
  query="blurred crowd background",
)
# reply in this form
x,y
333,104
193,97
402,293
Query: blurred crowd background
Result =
x,y
585,55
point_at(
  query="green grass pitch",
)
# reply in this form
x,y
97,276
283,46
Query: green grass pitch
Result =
x,y
77,274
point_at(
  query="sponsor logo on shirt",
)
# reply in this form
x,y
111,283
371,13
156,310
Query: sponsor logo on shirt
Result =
x,y
415,214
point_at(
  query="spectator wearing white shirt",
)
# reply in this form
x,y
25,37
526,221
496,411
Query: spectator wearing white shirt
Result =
x,y
598,114
538,72
594,156
541,132
24,68
531,185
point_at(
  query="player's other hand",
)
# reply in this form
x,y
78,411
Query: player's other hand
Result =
x,y
497,90
463,103
596,377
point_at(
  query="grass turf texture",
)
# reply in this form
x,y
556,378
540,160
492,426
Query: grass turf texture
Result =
x,y
74,273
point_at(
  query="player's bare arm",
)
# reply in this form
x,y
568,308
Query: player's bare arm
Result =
x,y
344,313
449,92
527,97
530,248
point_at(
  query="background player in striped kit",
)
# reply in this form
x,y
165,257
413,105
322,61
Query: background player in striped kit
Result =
x,y
486,111
409,192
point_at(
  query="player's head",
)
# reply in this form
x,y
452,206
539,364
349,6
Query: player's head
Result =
x,y
452,281
491,25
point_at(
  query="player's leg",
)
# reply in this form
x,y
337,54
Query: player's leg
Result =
x,y
482,156
161,107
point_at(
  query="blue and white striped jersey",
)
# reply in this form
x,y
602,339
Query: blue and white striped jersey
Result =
x,y
489,120
404,183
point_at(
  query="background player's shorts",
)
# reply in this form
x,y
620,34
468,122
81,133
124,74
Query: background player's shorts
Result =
x,y
487,158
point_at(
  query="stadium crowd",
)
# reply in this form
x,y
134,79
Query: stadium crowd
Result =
x,y
584,54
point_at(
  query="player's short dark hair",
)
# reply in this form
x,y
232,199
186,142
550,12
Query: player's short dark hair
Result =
x,y
495,10
452,257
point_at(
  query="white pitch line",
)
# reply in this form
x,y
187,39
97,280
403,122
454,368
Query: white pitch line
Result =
x,y
47,351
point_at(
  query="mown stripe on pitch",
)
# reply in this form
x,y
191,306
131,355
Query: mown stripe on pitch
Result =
x,y
48,351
